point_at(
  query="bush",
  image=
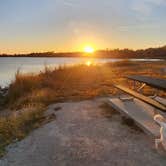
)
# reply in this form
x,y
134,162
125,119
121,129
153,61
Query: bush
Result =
x,y
19,124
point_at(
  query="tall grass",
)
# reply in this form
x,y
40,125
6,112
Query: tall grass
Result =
x,y
18,125
74,82
30,93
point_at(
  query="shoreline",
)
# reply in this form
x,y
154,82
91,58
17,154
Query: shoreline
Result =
x,y
29,95
95,57
158,52
29,67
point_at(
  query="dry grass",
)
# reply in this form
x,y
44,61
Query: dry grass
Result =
x,y
76,82
18,125
34,92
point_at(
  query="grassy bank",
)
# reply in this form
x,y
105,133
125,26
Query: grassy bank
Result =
x,y
30,94
18,124
75,83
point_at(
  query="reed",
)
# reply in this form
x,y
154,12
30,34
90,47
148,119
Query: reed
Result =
x,y
75,82
18,124
29,94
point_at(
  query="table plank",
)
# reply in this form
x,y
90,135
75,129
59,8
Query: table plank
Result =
x,y
146,99
153,82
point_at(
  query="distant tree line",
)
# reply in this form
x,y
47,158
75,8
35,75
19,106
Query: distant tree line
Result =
x,y
153,53
159,52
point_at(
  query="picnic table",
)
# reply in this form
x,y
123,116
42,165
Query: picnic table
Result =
x,y
139,107
153,82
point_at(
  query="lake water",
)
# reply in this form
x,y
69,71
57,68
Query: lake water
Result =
x,y
9,65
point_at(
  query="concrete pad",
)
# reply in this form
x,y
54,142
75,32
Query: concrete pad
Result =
x,y
82,135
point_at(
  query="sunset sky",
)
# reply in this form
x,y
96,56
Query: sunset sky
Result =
x,y
69,25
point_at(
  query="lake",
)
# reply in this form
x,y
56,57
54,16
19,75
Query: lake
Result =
x,y
10,65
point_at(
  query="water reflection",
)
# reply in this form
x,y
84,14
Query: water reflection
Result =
x,y
9,66
88,63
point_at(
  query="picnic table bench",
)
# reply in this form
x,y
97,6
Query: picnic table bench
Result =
x,y
140,107
148,100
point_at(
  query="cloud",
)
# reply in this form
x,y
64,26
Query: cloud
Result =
x,y
146,7
156,2
129,28
69,3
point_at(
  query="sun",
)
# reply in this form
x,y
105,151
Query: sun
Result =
x,y
88,49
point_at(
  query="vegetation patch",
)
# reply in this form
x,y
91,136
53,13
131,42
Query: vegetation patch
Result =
x,y
75,82
18,125
33,93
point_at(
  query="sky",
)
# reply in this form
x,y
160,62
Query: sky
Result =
x,y
70,25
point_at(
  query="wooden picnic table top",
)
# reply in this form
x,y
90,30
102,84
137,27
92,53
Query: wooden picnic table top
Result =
x,y
153,82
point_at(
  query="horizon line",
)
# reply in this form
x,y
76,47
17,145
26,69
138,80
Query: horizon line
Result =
x,y
64,52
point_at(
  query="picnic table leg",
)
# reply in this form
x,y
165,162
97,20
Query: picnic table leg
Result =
x,y
155,112
156,92
134,85
140,89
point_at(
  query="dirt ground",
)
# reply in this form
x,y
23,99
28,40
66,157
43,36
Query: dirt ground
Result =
x,y
84,134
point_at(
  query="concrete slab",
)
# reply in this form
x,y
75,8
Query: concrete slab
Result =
x,y
83,135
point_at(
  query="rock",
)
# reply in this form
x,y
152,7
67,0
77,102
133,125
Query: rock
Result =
x,y
4,91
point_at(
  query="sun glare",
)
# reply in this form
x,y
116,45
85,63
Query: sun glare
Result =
x,y
88,49
88,63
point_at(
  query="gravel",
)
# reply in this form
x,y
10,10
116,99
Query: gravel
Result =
x,y
82,135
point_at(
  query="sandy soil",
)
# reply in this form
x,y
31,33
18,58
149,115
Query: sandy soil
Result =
x,y
84,135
